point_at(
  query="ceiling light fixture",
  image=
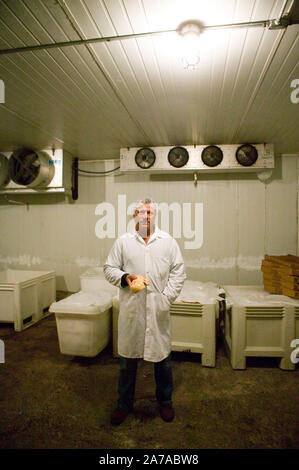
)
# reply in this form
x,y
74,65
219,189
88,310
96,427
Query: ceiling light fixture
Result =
x,y
190,32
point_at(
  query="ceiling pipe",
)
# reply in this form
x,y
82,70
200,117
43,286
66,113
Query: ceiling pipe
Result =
x,y
79,42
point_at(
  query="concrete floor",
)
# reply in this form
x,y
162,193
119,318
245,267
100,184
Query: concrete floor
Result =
x,y
54,401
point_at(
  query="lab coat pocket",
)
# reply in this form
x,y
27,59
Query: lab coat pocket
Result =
x,y
163,307
129,303
165,302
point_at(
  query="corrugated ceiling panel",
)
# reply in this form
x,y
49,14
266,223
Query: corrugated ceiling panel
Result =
x,y
124,64
273,112
44,91
70,67
135,92
68,90
18,131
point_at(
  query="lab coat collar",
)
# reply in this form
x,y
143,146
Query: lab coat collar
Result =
x,y
157,233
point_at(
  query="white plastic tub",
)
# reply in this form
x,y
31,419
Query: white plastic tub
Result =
x,y
93,280
259,324
25,296
83,323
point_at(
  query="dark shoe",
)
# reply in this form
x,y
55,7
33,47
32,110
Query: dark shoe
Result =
x,y
166,411
119,415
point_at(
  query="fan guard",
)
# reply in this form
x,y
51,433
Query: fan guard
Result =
x,y
212,155
178,156
145,158
30,168
246,154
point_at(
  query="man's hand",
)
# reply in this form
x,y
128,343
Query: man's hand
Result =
x,y
130,278
138,284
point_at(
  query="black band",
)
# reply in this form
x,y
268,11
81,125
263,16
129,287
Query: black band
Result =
x,y
123,281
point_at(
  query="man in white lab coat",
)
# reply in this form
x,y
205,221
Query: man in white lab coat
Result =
x,y
144,318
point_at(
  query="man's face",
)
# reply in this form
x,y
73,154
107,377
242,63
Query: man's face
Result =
x,y
145,218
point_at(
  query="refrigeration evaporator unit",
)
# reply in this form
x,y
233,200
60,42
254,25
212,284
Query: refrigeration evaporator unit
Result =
x,y
198,158
28,171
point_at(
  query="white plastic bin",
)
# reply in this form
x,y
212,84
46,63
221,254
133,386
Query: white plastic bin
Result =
x,y
25,296
193,329
93,280
83,323
259,324
193,320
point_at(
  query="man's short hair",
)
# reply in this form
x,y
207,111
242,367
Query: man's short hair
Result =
x,y
149,201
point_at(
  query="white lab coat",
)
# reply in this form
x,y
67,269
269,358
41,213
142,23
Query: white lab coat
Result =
x,y
144,318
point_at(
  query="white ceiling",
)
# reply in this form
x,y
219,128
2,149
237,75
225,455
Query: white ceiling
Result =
x,y
94,99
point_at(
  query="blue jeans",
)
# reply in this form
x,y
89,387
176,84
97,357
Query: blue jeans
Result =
x,y
127,380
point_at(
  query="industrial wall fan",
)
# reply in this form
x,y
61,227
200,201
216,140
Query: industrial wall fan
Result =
x,y
246,155
178,156
212,155
30,168
145,158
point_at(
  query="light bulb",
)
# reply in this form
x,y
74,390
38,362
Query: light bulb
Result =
x,y
190,61
190,32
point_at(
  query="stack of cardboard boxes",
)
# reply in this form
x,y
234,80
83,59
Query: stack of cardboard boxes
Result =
x,y
281,275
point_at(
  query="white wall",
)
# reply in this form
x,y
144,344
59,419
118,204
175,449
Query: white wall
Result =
x,y
242,220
